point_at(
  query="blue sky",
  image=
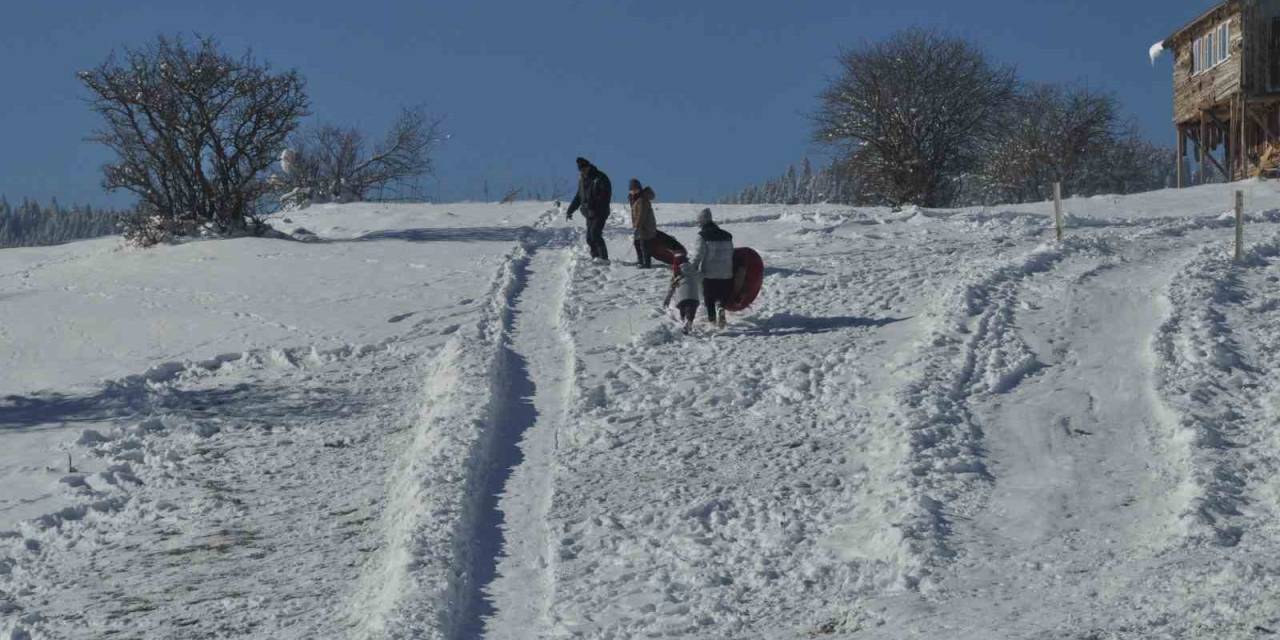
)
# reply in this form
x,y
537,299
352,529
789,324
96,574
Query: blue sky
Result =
x,y
696,98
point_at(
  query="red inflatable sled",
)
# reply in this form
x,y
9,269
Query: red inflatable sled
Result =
x,y
748,276
664,248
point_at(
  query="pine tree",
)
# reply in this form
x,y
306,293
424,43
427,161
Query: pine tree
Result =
x,y
30,224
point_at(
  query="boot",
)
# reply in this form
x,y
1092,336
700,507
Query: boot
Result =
x,y
720,317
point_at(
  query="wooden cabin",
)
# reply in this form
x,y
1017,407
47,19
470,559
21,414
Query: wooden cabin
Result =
x,y
1226,90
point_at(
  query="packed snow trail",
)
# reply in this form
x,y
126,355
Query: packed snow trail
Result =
x,y
1078,447
441,527
1096,478
522,590
1083,452
703,480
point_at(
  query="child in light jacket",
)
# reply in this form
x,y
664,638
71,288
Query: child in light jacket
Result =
x,y
688,284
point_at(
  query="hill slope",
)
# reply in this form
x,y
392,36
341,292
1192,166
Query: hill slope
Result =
x,y
448,422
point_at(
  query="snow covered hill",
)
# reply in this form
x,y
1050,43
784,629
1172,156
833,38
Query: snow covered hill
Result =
x,y
447,422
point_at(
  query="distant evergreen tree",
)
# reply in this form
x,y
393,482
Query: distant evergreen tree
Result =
x,y
30,225
834,184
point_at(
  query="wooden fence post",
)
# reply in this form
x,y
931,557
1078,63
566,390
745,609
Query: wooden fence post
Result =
x,y
1239,226
1057,208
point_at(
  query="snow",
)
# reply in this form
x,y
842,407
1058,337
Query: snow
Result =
x,y
1155,52
288,161
445,421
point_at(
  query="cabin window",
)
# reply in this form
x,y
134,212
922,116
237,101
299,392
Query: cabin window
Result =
x,y
1211,49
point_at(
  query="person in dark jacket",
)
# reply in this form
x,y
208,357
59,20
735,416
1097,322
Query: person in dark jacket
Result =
x,y
594,194
714,261
644,225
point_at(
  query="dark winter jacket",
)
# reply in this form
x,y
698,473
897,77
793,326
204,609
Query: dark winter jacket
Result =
x,y
594,194
714,256
642,220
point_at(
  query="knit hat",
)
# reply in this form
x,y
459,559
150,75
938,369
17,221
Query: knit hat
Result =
x,y
704,216
583,163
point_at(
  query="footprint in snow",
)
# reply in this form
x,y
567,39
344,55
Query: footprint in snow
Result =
x,y
400,317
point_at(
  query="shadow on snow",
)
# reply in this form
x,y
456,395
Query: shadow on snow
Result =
x,y
262,403
460,234
787,273
789,324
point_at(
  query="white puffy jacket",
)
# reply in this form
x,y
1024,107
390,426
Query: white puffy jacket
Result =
x,y
714,256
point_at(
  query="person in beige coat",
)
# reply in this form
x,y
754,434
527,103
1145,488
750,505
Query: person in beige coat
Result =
x,y
643,223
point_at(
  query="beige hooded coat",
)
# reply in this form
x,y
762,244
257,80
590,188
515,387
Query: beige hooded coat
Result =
x,y
642,220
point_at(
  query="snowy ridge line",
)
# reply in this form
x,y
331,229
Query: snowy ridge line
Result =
x,y
1202,376
420,584
292,357
973,349
764,217
1167,225
137,392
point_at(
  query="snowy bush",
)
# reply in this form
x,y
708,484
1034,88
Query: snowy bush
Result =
x,y
144,228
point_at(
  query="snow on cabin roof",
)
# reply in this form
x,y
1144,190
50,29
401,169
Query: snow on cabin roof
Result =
x,y
1196,22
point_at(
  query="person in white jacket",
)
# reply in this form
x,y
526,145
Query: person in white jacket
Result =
x,y
713,261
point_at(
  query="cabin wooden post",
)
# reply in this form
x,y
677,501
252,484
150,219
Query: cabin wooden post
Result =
x,y
1239,139
1239,226
1228,140
1180,160
1194,137
1201,144
1244,137
1057,209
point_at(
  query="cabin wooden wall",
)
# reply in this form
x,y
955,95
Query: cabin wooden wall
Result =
x,y
1235,106
1215,87
1261,31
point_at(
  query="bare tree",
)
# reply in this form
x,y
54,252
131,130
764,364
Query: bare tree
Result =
x,y
1128,163
1071,135
329,163
194,130
911,113
1052,134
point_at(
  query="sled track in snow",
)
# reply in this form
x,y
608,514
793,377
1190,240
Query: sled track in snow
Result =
x,y
519,575
1206,380
972,349
1131,446
442,534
